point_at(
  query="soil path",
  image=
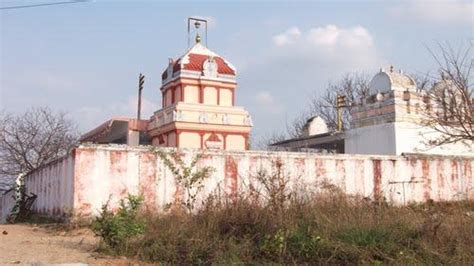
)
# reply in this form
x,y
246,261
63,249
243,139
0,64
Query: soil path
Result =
x,y
26,244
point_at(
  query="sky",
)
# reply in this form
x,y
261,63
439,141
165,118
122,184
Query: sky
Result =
x,y
84,58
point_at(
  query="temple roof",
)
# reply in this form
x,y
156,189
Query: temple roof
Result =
x,y
391,79
401,80
194,59
113,129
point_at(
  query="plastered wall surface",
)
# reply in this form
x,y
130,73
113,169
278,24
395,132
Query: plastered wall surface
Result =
x,y
7,201
391,124
90,176
376,139
54,186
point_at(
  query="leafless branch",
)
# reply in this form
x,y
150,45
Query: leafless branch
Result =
x,y
450,102
353,86
32,139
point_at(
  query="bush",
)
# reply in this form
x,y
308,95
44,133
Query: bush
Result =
x,y
116,229
186,176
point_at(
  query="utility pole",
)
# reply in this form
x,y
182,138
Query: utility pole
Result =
x,y
340,103
141,81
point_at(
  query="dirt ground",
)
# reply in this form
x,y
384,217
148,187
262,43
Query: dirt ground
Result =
x,y
29,244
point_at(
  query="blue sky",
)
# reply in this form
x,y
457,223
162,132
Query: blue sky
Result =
x,y
84,58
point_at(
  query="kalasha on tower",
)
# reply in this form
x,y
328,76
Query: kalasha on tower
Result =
x,y
198,102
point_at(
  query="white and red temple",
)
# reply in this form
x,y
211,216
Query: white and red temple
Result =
x,y
198,108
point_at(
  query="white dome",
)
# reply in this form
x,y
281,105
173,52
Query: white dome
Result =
x,y
385,81
315,126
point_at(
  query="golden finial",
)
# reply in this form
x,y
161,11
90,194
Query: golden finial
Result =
x,y
198,38
197,24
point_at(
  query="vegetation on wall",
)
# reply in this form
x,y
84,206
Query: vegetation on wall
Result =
x,y
21,210
188,176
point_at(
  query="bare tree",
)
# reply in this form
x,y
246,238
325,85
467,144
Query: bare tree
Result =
x,y
424,82
295,128
32,139
449,105
352,86
264,142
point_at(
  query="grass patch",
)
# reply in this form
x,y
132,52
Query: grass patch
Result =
x,y
346,231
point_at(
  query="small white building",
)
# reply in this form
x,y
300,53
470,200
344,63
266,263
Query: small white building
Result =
x,y
388,121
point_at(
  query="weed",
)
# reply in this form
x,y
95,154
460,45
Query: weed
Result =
x,y
117,228
186,176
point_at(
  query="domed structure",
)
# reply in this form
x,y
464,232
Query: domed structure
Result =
x,y
315,126
385,81
199,60
198,99
392,119
444,86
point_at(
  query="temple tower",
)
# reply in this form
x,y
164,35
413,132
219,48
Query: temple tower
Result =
x,y
198,104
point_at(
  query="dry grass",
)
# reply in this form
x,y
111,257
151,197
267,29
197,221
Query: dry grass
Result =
x,y
330,229
279,225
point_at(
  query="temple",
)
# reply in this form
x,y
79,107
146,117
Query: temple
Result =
x,y
386,122
198,108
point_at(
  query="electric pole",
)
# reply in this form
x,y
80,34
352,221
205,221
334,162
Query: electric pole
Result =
x,y
141,81
340,103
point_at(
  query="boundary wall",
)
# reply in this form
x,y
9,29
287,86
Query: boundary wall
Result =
x,y
80,183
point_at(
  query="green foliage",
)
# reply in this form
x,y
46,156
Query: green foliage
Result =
x,y
187,176
20,197
117,228
275,183
304,243
21,211
372,237
274,245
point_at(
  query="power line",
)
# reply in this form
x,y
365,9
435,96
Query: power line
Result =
x,y
44,4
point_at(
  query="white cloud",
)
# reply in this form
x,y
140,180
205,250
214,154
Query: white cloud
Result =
x,y
289,36
435,11
338,48
329,36
267,103
265,100
298,64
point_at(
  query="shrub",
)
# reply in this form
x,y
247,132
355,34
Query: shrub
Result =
x,y
117,228
186,176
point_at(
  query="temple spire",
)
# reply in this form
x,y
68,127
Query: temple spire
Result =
x,y
197,24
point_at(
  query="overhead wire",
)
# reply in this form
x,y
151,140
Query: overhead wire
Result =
x,y
43,4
